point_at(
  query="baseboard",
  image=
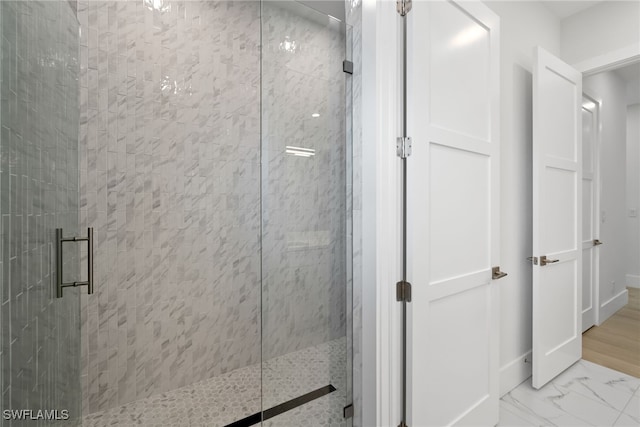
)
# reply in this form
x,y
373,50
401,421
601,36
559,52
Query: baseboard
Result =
x,y
633,281
515,373
612,305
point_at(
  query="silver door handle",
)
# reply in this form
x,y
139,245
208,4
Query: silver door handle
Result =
x,y
496,273
544,260
60,284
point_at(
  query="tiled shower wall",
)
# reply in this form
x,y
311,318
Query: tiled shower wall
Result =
x,y
39,344
170,174
304,198
170,178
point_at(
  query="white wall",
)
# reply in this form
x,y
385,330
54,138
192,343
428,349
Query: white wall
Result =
x,y
633,195
610,89
523,26
602,29
633,92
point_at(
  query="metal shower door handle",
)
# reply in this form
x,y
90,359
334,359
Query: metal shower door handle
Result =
x,y
59,261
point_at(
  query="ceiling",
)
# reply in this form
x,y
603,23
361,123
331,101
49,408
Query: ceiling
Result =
x,y
564,9
629,73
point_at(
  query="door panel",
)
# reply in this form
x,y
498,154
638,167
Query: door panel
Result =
x,y
304,231
40,341
458,236
452,213
459,71
590,224
557,217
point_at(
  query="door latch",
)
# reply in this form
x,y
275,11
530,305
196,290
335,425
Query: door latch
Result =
x,y
597,242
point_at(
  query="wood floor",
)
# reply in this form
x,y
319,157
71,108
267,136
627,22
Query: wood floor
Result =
x,y
616,343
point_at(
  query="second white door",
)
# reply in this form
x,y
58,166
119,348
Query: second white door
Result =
x,y
557,217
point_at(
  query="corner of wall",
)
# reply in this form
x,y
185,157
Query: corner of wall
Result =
x,y
515,373
609,307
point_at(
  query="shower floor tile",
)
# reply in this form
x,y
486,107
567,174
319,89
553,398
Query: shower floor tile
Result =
x,y
235,395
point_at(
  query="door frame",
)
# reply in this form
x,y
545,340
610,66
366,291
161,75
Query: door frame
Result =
x,y
379,315
609,61
596,202
599,64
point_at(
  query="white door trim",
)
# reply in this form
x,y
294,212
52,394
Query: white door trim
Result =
x,y
381,322
610,60
388,253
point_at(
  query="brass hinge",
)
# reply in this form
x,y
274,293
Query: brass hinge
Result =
x,y
403,7
403,291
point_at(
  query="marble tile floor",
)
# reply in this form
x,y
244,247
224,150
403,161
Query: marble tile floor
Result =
x,y
586,394
232,396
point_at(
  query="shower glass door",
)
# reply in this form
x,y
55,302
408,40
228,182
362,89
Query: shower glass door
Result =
x,y
305,217
40,339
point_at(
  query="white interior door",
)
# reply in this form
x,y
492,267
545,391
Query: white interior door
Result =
x,y
453,213
557,217
590,203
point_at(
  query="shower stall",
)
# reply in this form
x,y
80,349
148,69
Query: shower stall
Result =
x,y
176,214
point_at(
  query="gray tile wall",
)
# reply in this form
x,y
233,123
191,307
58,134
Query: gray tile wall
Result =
x,y
170,178
304,198
39,343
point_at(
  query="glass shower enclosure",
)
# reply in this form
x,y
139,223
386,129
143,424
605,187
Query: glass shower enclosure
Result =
x,y
190,162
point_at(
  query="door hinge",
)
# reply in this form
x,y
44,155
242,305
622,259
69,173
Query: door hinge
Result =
x,y
403,291
403,147
347,66
348,411
403,7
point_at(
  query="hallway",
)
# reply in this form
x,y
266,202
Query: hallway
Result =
x,y
616,343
